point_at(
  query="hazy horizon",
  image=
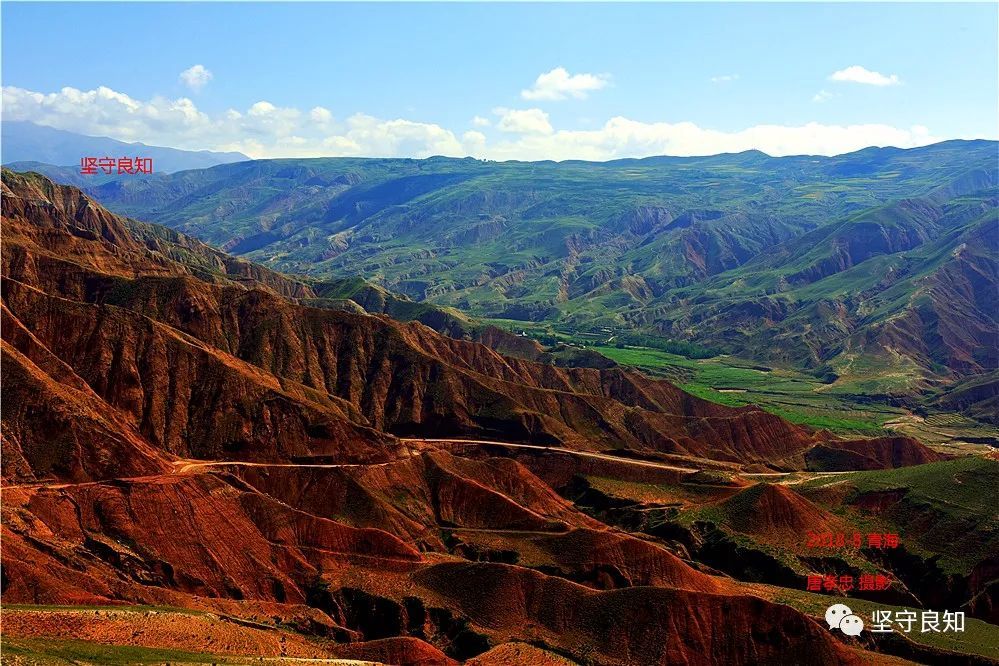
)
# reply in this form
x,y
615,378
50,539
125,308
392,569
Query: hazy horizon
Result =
x,y
428,157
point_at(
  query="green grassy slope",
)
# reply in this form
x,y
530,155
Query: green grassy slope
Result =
x,y
783,259
946,508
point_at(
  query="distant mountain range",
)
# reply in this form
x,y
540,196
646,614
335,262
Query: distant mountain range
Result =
x,y
875,267
27,142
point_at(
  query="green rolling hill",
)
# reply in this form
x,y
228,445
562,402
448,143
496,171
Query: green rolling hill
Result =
x,y
873,269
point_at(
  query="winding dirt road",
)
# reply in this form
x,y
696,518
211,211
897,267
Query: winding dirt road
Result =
x,y
557,449
191,466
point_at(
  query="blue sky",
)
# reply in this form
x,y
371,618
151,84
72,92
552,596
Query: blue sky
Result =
x,y
410,79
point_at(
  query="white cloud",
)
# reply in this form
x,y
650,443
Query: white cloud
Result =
x,y
261,109
372,136
559,84
266,130
265,119
479,121
262,130
321,115
523,121
622,137
822,96
724,78
473,142
196,77
858,74
105,112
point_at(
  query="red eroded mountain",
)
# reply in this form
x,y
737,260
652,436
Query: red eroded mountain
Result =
x,y
196,535
879,453
638,625
45,222
776,514
404,497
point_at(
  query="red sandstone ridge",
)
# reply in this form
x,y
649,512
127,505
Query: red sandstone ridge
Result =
x,y
59,224
866,454
778,515
639,625
401,651
407,497
148,540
